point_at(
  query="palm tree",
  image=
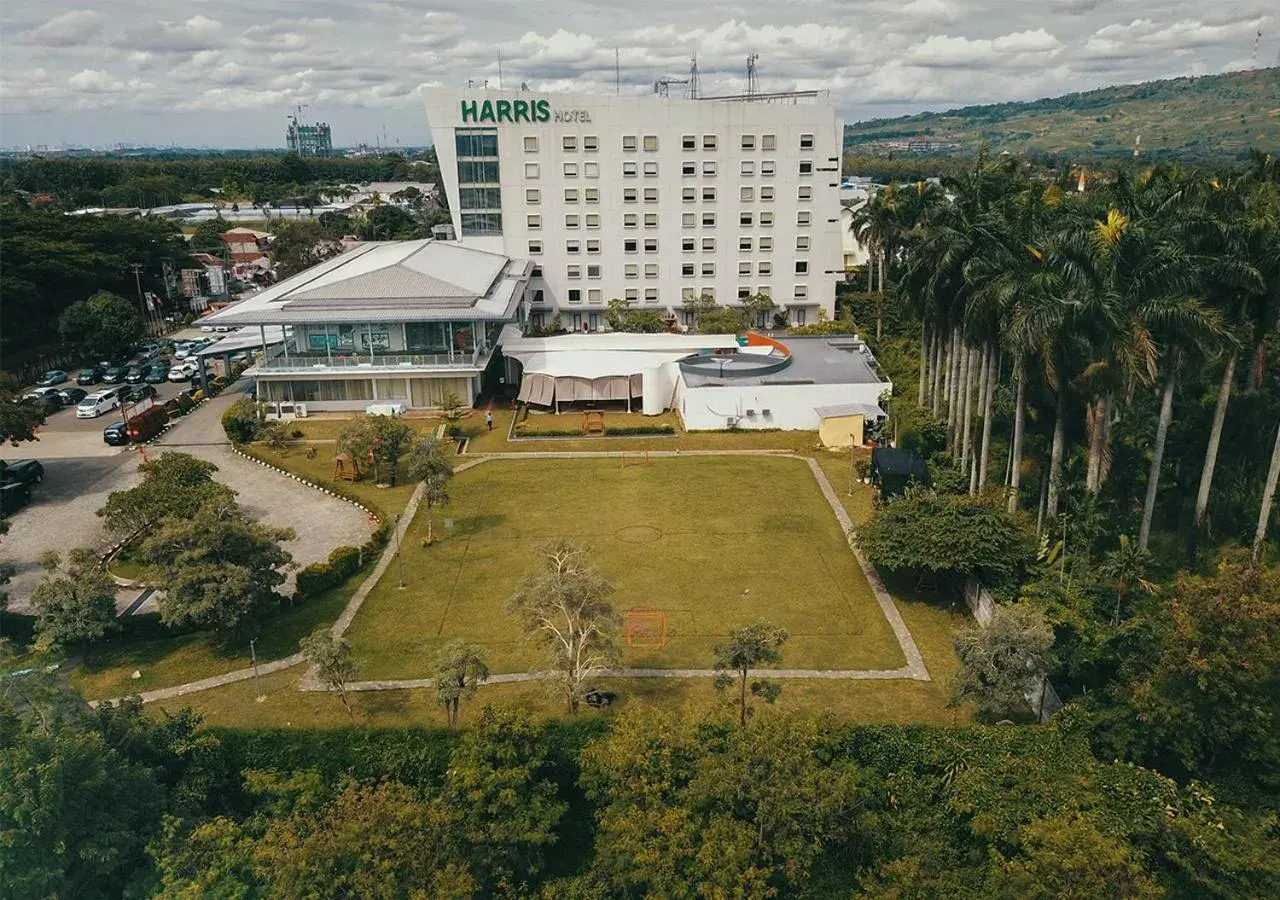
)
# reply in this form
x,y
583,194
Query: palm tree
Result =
x,y
1268,498
1126,569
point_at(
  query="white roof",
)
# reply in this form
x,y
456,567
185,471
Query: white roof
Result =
x,y
835,411
596,355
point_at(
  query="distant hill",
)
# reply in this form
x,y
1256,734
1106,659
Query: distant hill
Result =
x,y
1205,118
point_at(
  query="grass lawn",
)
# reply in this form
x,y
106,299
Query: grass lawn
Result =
x,y
165,659
328,429
572,421
714,542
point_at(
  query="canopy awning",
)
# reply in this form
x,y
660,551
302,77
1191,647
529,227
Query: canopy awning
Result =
x,y
544,390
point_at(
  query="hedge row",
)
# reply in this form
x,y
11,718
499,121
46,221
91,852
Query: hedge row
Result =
x,y
319,577
639,429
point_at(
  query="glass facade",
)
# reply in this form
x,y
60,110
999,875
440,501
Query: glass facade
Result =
x,y
439,337
479,199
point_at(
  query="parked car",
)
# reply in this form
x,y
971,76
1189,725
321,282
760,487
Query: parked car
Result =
x,y
184,371
23,471
139,392
13,497
136,374
116,434
49,379
46,398
115,373
71,396
183,350
157,373
91,375
95,405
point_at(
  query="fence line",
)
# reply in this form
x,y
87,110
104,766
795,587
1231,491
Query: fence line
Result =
x,y
1041,695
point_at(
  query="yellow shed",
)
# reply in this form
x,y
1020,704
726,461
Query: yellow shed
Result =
x,y
842,425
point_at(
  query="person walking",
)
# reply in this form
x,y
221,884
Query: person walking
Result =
x,y
488,419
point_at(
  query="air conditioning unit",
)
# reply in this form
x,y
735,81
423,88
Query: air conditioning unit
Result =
x,y
749,413
300,410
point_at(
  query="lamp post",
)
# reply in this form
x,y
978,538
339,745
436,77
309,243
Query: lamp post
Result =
x,y
399,558
253,657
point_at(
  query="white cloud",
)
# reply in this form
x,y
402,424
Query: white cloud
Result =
x,y
67,30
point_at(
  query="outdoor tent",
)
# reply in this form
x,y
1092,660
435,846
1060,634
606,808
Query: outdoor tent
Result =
x,y
892,469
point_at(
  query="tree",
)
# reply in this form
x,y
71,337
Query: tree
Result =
x,y
101,326
749,647
451,405
76,604
331,657
756,309
720,320
383,439
1001,661
242,421
1268,498
207,238
945,535
19,419
217,569
622,317
563,605
1126,569
298,246
499,783
174,486
459,671
428,465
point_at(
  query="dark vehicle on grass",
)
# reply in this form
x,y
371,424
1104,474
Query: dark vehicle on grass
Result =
x,y
91,376
23,471
71,396
13,497
49,379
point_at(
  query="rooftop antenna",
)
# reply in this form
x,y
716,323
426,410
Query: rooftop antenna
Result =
x,y
753,82
662,87
499,70
695,83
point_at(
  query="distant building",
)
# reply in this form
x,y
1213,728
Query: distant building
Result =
x,y
309,140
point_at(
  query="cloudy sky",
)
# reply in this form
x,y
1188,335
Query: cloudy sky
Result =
x,y
226,74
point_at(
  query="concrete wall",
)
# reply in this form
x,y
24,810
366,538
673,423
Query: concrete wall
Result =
x,y
791,406
842,431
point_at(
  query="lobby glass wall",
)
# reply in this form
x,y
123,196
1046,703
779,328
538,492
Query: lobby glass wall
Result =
x,y
479,197
439,337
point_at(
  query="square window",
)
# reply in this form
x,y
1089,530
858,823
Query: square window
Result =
x,y
688,142
744,291
768,167
591,143
688,168
688,294
535,247
709,220
709,269
766,194
569,142
572,246
764,267
801,292
708,142
650,245
806,142
594,295
593,271
651,142
570,195
630,195
593,220
650,168
708,195
650,220
631,295
803,217
747,194
688,194
630,220
709,293
629,169
688,245
744,244
530,170
532,195
628,142
575,295
574,271
744,267
748,167
591,169
765,244
768,142
802,267
688,270
746,219
764,290
530,144
806,192
709,167
533,222
689,220
593,246
766,220
571,170
650,270
571,222
630,245
631,270
708,245
651,295
806,167
536,273
802,242
748,142
651,195
592,195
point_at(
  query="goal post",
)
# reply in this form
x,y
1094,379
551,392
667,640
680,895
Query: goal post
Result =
x,y
633,458
645,629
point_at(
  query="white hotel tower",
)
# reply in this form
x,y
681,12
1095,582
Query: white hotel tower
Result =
x,y
648,199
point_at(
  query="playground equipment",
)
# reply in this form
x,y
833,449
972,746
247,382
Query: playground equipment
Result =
x,y
645,629
593,422
345,468
634,458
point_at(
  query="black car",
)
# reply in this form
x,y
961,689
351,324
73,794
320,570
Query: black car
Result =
x,y
45,398
13,497
91,375
141,392
115,374
71,396
23,471
136,374
116,434
158,373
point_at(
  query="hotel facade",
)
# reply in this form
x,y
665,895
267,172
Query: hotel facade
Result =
x,y
647,199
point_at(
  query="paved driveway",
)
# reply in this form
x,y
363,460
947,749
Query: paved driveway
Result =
x,y
80,470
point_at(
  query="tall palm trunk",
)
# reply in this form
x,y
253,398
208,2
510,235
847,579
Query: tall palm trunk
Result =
x,y
966,432
1157,455
1215,439
1015,454
1098,414
953,396
1104,462
880,300
993,379
936,400
1055,450
1268,497
959,426
924,363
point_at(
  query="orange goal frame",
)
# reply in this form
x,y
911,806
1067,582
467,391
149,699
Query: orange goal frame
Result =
x,y
645,628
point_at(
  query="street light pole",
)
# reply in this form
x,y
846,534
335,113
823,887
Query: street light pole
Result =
x,y
253,656
399,558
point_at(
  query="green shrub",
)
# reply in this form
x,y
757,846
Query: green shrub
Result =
x,y
317,578
526,430
376,542
640,429
345,561
185,404
241,422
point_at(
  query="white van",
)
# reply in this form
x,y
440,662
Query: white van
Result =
x,y
96,404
